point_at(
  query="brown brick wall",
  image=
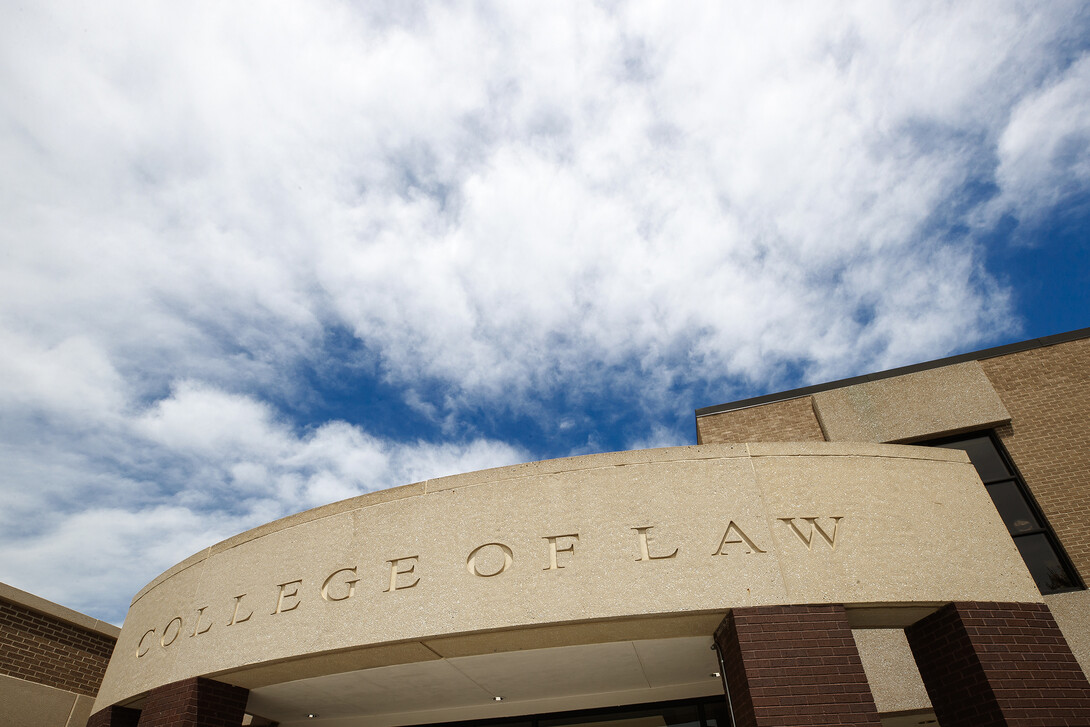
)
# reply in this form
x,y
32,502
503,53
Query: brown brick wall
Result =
x,y
1047,392
783,421
793,666
196,702
48,651
1001,664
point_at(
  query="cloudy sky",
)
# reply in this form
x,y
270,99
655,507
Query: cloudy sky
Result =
x,y
255,258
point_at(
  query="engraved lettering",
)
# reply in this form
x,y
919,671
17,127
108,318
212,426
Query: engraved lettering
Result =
x,y
396,570
553,549
351,583
487,561
197,626
742,538
163,639
471,561
284,594
645,552
140,645
808,538
234,616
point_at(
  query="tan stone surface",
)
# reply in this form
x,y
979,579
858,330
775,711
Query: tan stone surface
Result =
x,y
914,406
329,663
855,449
371,498
792,420
1072,614
891,670
895,544
26,704
572,634
878,559
81,711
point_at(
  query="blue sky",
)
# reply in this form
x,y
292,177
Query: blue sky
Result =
x,y
257,258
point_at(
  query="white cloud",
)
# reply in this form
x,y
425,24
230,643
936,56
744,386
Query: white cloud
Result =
x,y
1044,152
491,197
212,423
75,376
98,558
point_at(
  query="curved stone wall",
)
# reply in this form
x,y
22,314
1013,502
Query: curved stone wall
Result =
x,y
648,537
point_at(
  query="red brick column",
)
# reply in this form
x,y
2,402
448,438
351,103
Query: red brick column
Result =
x,y
195,702
114,717
998,664
794,665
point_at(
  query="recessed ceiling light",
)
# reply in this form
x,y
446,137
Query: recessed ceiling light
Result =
x,y
497,699
311,716
715,674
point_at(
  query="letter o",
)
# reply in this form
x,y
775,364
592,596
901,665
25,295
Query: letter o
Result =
x,y
141,643
163,639
471,561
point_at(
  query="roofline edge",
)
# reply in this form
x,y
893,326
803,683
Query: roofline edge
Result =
x,y
1009,348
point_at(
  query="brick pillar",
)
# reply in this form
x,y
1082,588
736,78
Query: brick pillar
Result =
x,y
114,717
196,702
794,665
998,664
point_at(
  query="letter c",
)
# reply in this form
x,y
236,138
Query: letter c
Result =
x,y
141,644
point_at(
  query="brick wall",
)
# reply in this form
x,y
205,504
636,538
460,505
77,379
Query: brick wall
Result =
x,y
1047,392
195,702
794,665
783,421
1002,664
45,650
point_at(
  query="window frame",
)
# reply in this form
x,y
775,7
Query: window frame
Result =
x,y
1043,528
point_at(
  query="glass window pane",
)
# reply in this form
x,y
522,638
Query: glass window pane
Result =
x,y
983,454
1043,563
1013,507
716,714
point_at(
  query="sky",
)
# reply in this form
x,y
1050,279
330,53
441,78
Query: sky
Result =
x,y
260,257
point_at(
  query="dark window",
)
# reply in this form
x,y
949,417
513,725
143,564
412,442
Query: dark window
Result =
x,y
674,716
716,714
1038,545
706,712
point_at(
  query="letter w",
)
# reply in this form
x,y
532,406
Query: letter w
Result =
x,y
808,538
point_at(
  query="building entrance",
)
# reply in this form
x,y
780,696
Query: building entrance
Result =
x,y
708,712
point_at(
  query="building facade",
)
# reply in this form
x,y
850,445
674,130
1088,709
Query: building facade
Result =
x,y
52,660
905,548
